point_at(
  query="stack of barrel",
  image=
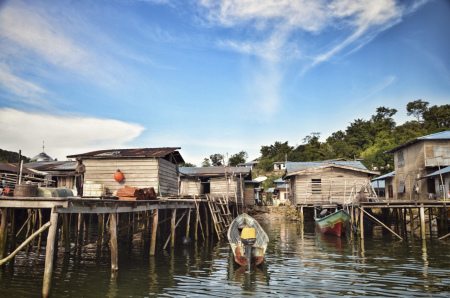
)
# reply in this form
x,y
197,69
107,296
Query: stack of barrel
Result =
x,y
129,193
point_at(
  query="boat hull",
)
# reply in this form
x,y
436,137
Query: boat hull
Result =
x,y
334,224
237,245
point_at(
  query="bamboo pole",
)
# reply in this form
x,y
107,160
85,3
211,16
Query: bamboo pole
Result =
x,y
113,241
376,220
154,230
49,254
443,237
43,228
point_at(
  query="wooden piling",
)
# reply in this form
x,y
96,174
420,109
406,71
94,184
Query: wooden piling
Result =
x,y
361,221
172,227
114,246
100,229
411,221
66,232
188,222
154,230
3,232
49,254
12,222
430,218
422,221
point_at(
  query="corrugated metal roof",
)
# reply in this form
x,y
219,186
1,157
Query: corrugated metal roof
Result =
x,y
279,180
270,190
213,171
53,165
292,167
388,175
139,152
443,135
437,173
12,168
282,186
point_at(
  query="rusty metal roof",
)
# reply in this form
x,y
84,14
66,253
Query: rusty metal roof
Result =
x,y
12,168
140,152
53,165
214,171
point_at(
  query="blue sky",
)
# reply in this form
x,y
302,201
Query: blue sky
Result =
x,y
211,76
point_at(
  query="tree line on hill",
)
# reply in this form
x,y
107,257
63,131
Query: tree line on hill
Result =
x,y
362,139
12,157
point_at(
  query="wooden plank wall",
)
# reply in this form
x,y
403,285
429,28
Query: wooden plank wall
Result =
x,y
168,178
336,186
137,172
218,187
191,186
249,196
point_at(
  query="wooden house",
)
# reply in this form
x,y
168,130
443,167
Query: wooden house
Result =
x,y
281,190
441,181
143,168
62,172
326,181
384,187
9,176
416,159
217,181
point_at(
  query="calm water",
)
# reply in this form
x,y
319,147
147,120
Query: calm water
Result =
x,y
298,262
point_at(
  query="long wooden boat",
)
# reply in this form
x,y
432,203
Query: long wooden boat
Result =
x,y
335,223
238,246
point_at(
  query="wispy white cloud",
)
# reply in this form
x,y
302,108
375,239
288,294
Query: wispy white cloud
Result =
x,y
385,83
74,134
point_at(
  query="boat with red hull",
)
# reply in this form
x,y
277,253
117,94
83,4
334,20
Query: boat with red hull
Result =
x,y
334,223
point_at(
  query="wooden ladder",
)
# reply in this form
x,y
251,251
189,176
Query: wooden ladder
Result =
x,y
367,186
220,223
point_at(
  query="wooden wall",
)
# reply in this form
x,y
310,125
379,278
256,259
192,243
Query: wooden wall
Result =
x,y
218,187
137,172
191,186
168,177
336,186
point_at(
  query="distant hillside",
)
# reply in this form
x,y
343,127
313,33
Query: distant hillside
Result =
x,y
12,157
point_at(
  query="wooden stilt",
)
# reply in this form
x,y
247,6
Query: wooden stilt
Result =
x,y
430,219
422,221
3,232
49,254
66,233
154,230
411,221
188,222
206,220
376,220
361,221
12,241
100,229
172,227
114,247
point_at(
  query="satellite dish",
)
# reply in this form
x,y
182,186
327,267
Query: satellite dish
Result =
x,y
260,179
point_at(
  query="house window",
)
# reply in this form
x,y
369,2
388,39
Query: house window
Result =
x,y
400,160
391,191
316,186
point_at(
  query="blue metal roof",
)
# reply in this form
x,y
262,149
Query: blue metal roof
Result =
x,y
443,135
437,173
388,175
270,189
292,167
279,180
283,186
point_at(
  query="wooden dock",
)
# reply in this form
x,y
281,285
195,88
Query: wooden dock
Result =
x,y
60,211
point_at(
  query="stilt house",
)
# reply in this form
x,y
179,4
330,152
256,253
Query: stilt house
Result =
x,y
416,159
217,181
325,181
62,172
143,168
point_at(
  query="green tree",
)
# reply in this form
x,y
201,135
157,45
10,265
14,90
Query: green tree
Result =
x,y
12,157
187,165
437,115
237,158
417,108
206,162
216,159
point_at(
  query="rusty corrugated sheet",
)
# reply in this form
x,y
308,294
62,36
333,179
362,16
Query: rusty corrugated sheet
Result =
x,y
53,165
12,168
139,152
213,171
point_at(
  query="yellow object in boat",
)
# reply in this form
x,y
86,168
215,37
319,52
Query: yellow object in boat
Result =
x,y
248,233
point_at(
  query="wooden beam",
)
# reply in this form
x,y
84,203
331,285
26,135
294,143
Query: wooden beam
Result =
x,y
49,254
422,221
172,225
3,232
382,224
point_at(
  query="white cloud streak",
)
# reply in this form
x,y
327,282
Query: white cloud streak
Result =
x,y
63,135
